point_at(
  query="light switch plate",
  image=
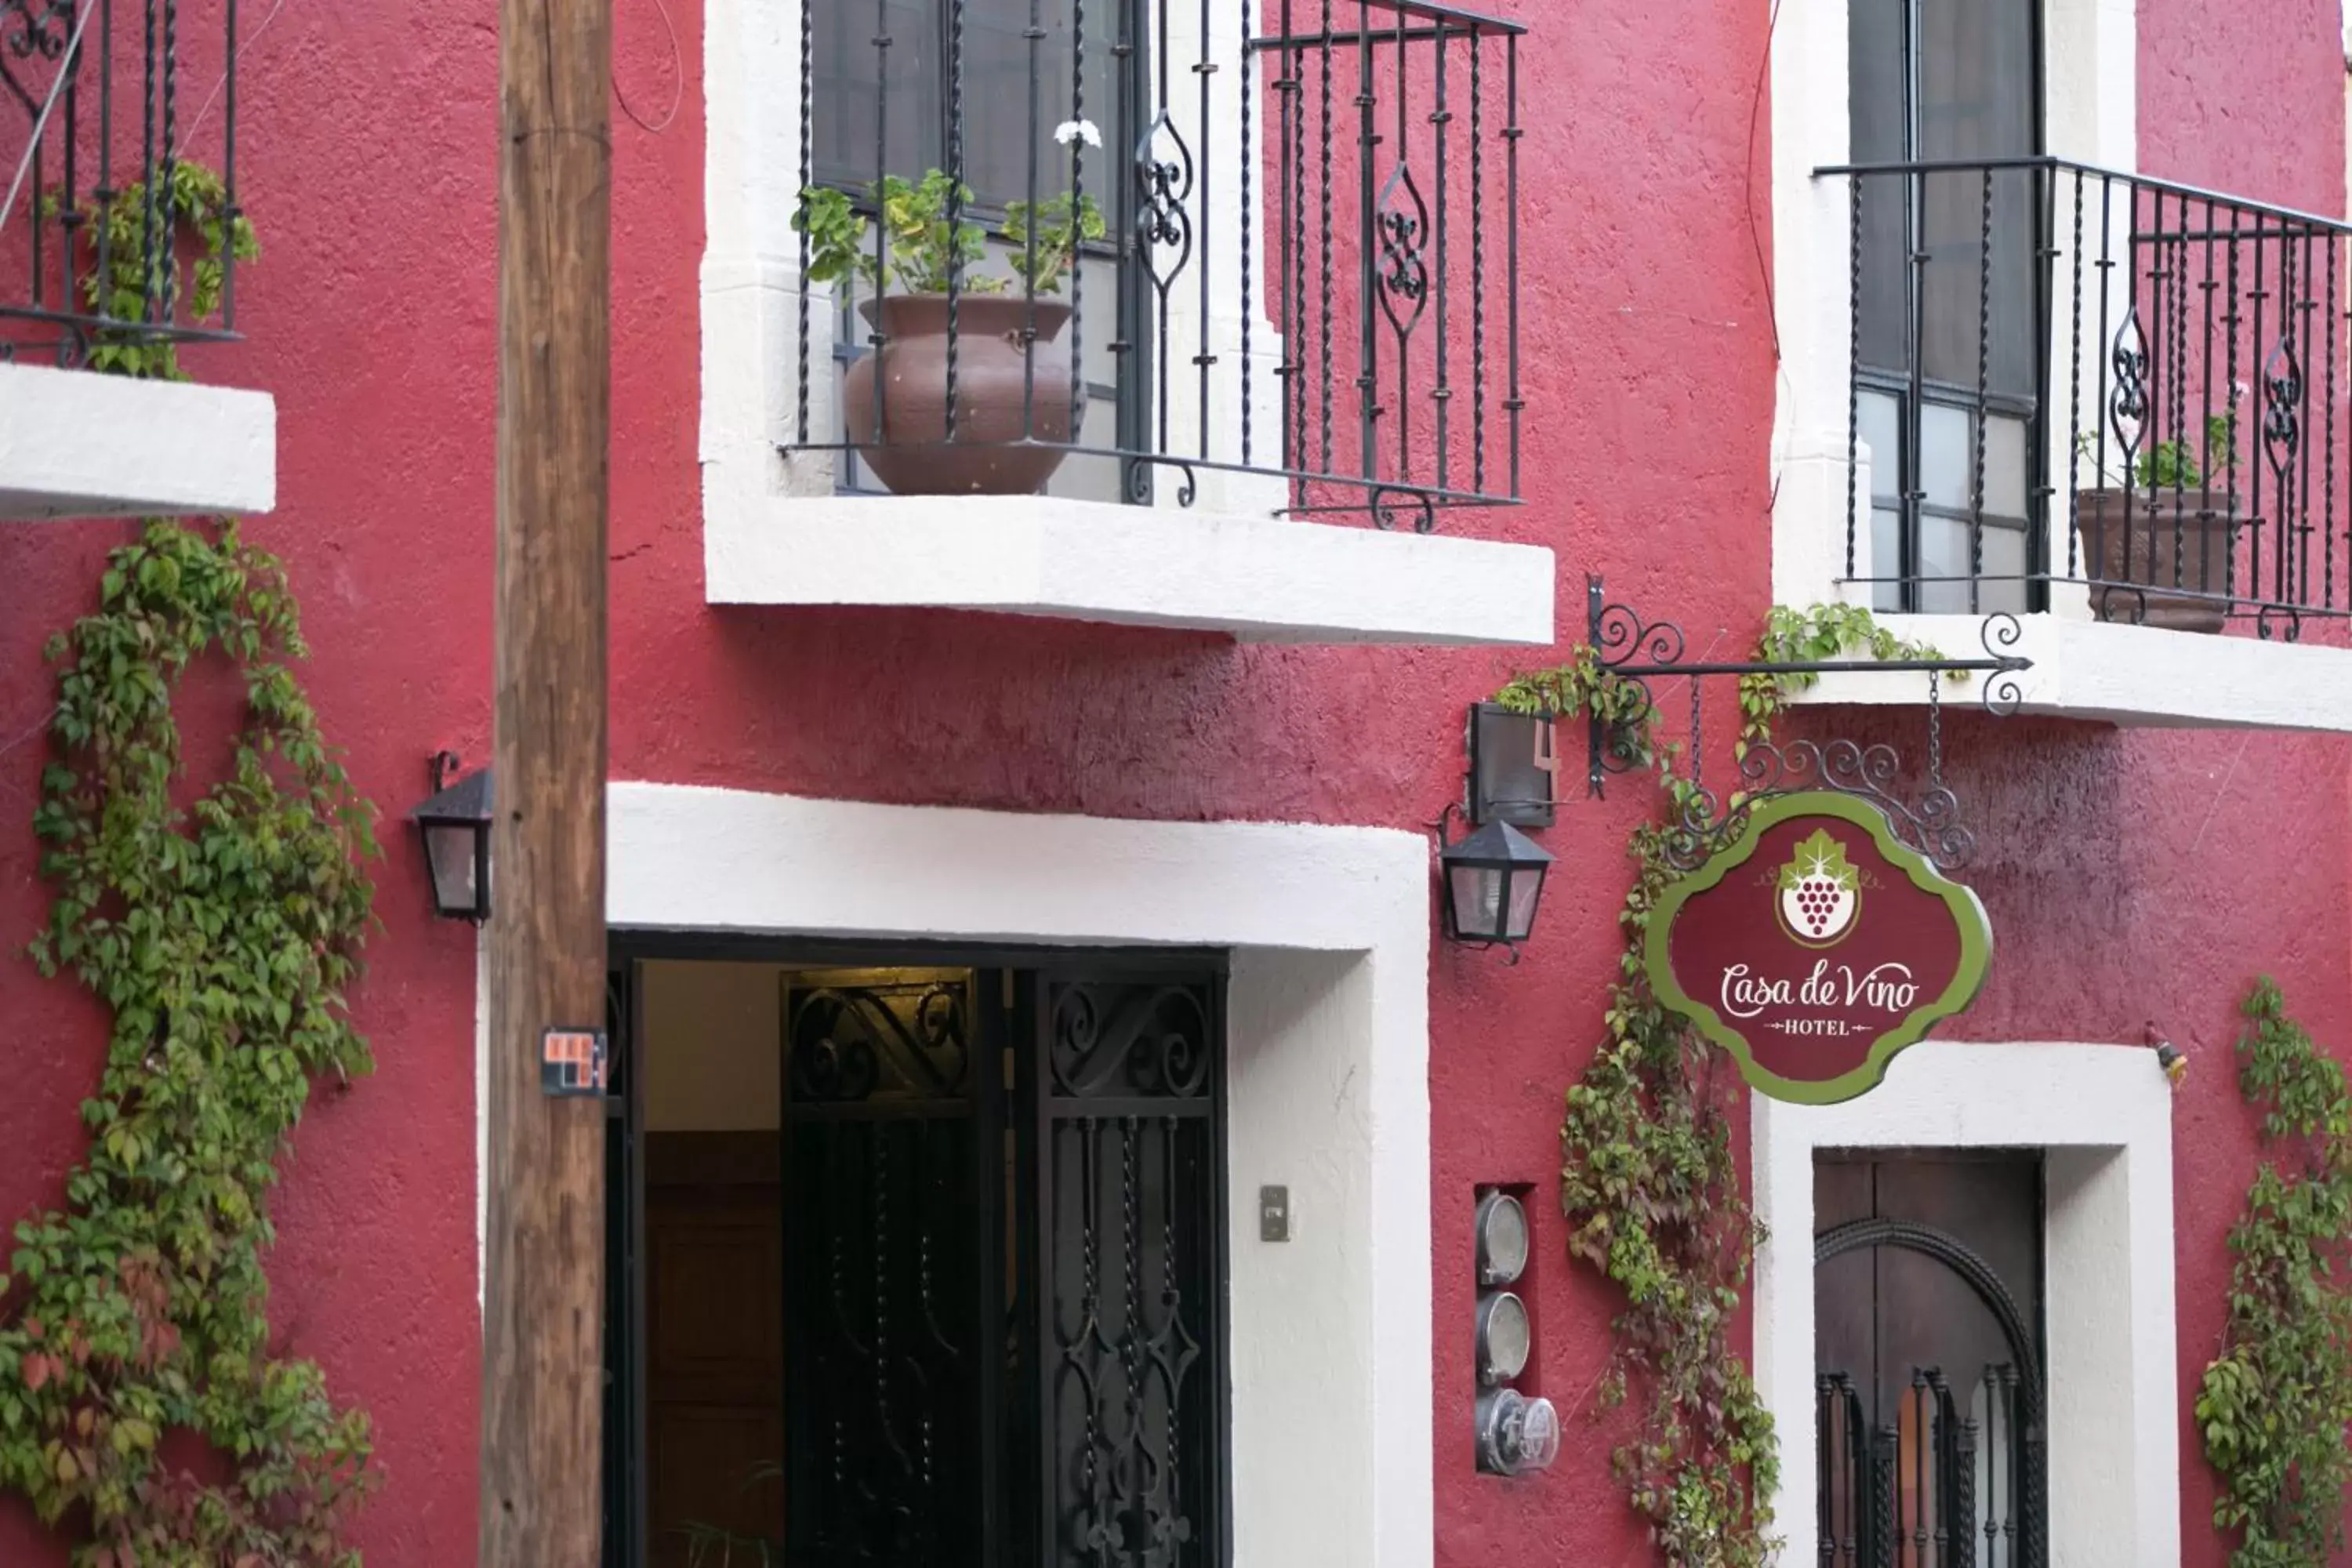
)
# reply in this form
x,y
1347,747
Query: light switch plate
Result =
x,y
1273,1214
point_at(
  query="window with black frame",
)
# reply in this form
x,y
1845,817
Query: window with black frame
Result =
x,y
1036,97
1943,92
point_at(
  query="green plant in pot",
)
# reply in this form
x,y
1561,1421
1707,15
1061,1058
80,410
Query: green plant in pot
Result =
x,y
2166,531
1012,398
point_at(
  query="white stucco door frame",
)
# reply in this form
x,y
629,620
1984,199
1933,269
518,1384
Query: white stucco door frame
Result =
x,y
2104,1116
1327,1055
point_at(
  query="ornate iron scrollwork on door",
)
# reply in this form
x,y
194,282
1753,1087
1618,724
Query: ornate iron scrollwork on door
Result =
x,y
1132,1265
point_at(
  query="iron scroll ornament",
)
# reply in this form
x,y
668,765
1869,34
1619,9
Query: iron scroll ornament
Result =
x,y
1974,934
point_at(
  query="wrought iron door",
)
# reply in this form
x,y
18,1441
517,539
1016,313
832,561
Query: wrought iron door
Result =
x,y
1928,1415
1003,1268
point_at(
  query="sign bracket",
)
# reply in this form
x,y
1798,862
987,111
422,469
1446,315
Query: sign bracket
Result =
x,y
1638,651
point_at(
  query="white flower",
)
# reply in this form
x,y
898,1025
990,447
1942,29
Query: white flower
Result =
x,y
1070,130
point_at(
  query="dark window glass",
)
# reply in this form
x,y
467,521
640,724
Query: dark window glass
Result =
x,y
1947,299
889,110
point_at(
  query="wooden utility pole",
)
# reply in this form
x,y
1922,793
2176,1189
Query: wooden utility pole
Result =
x,y
542,1369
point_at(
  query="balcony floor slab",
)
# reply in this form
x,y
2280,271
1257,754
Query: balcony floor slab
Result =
x,y
2131,676
76,443
1260,580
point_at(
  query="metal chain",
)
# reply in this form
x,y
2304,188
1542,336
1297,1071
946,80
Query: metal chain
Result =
x,y
1934,728
1698,764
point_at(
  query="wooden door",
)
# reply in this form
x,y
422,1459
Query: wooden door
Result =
x,y
1927,1351
714,1345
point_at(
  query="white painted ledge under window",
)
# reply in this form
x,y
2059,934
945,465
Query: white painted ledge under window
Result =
x,y
2137,676
1259,579
76,443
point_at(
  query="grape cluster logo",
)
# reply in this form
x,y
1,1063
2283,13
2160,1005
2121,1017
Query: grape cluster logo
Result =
x,y
1820,893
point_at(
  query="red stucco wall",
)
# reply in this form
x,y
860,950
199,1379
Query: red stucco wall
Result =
x,y
2130,877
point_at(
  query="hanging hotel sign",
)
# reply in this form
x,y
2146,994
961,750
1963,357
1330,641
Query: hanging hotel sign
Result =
x,y
1816,946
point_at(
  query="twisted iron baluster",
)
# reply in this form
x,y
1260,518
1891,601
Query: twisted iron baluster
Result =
x,y
1886,1520
155,215
2075,401
1077,205
169,306
875,337
1984,367
2230,535
808,178
955,210
2258,294
1440,120
1324,336
1854,375
1477,267
1249,216
1035,35
1825,1488
2205,362
2327,506
1964,1497
1514,405
2176,319
229,209
1203,358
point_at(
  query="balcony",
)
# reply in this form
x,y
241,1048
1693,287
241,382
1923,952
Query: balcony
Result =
x,y
120,238
1179,315
2108,404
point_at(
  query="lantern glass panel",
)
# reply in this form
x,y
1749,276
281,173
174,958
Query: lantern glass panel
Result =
x,y
1478,898
449,847
1526,883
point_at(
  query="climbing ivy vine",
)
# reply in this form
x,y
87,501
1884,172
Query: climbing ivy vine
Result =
x,y
200,234
1649,1182
2276,1408
220,928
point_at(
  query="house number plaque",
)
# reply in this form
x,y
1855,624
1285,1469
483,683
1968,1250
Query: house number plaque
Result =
x,y
1816,946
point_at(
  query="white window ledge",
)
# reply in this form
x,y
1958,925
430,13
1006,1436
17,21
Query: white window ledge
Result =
x,y
1259,579
76,443
2128,675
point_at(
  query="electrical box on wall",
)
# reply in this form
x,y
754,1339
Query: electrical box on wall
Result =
x,y
1517,1433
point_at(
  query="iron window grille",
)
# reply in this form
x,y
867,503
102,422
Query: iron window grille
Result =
x,y
2161,433
1306,294
97,98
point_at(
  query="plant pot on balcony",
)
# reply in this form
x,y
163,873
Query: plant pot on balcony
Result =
x,y
2116,553
902,435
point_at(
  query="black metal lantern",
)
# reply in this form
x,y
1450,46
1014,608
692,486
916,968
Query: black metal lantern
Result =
x,y
456,824
1493,880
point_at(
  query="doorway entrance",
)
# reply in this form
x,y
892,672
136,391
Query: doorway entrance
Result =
x,y
1929,1360
918,1258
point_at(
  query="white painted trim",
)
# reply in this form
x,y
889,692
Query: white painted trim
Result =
x,y
2104,1115
1328,1086
76,442
1034,555
2129,675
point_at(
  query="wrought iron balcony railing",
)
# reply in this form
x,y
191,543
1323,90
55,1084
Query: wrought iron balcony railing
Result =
x,y
1251,255
118,155
2071,384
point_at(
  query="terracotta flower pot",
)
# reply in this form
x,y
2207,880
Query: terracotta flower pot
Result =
x,y
907,449
2117,552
